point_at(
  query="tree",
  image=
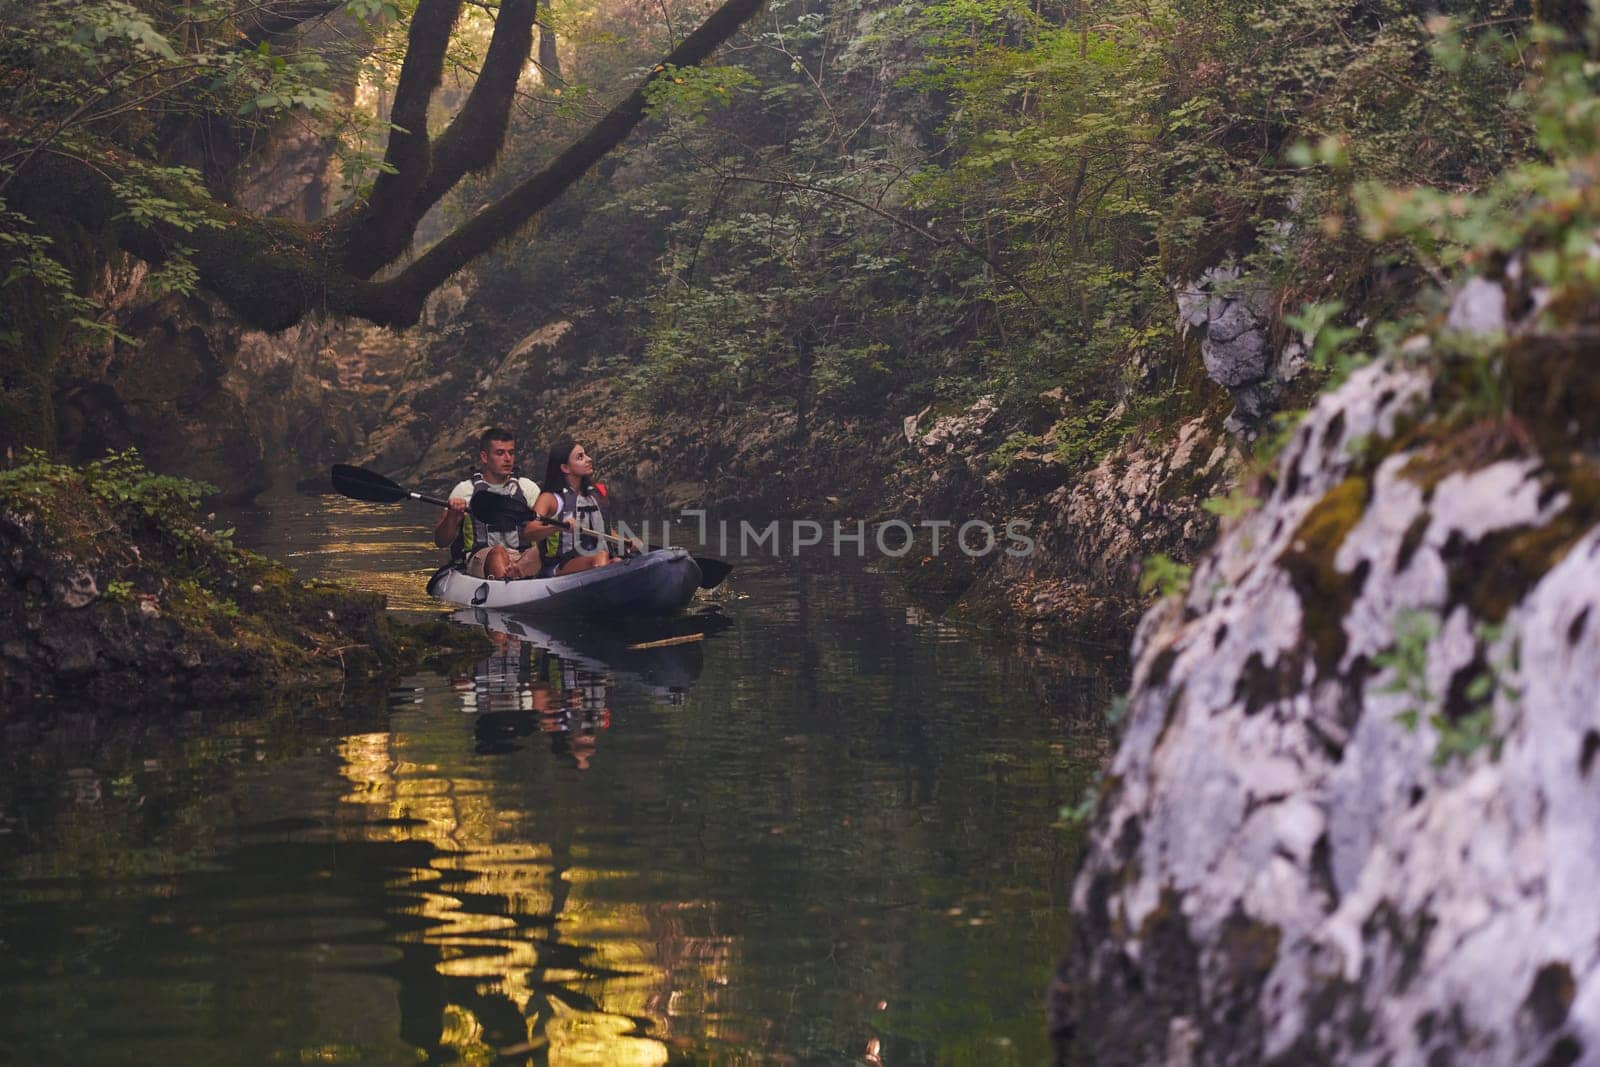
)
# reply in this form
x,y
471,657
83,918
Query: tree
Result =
x,y
106,108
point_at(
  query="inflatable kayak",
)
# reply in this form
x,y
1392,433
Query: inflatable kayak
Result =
x,y
656,583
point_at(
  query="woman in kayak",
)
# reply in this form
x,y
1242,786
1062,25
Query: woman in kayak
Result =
x,y
579,505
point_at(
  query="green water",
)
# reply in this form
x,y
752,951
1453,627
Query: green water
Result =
x,y
826,832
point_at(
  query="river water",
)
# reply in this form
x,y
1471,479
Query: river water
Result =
x,y
827,832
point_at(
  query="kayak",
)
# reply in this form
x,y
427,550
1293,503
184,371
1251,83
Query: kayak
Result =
x,y
655,583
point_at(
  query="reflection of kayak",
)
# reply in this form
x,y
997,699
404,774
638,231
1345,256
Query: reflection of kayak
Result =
x,y
656,583
603,648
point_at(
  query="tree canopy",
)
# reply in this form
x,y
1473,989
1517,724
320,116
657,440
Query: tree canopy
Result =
x,y
123,124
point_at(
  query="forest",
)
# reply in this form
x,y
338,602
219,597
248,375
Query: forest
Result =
x,y
863,207
1273,322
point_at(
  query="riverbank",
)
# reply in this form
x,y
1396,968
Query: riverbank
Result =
x,y
123,597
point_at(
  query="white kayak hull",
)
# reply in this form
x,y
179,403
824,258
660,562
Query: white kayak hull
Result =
x,y
656,583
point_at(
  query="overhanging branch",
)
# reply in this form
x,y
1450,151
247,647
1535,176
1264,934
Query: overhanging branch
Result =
x,y
366,234
475,135
399,300
273,272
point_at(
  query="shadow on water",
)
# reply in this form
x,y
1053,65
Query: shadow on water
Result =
x,y
830,823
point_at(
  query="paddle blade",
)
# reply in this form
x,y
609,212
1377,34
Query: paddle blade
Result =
x,y
362,484
712,571
494,508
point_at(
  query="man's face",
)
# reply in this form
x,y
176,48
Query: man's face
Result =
x,y
498,460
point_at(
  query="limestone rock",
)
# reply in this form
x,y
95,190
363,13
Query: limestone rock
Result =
x,y
1479,306
76,589
1233,318
1331,833
546,337
430,429
1235,345
1092,535
962,430
908,425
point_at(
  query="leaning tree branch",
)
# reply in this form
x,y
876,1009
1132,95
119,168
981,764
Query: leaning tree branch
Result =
x,y
407,157
469,144
398,301
272,272
475,135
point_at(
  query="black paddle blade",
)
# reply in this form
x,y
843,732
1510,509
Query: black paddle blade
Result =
x,y
495,508
712,571
362,484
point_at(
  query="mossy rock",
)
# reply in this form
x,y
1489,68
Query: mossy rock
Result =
x,y
127,601
1326,593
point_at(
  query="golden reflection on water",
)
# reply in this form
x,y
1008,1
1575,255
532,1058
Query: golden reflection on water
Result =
x,y
630,954
405,585
378,548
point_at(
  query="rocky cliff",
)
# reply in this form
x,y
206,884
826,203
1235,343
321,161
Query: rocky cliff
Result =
x,y
1351,815
1094,532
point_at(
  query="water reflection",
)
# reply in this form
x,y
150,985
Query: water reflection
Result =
x,y
829,828
556,678
529,957
533,953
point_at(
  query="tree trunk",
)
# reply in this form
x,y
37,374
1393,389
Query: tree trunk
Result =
x,y
273,272
549,57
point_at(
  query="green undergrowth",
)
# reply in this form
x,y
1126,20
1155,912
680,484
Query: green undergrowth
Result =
x,y
122,592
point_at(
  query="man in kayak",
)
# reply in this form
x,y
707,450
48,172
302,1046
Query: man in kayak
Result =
x,y
493,551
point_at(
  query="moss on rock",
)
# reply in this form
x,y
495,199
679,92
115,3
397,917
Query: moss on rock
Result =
x,y
1325,592
121,598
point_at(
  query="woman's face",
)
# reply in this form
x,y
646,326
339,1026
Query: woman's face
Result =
x,y
578,462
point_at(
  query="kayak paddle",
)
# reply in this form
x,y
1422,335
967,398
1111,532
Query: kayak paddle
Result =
x,y
496,507
362,484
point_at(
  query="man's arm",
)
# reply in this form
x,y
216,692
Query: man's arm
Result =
x,y
449,524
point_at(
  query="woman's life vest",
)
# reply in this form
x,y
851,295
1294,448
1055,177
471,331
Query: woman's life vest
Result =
x,y
593,512
476,534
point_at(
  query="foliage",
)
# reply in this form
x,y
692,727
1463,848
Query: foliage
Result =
x,y
104,81
1541,202
126,130
687,92
109,85
876,205
1236,503
1005,456
902,203
1322,336
1407,660
1165,576
122,484
172,595
1466,730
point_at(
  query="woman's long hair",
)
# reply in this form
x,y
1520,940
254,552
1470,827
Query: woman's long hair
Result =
x,y
555,479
